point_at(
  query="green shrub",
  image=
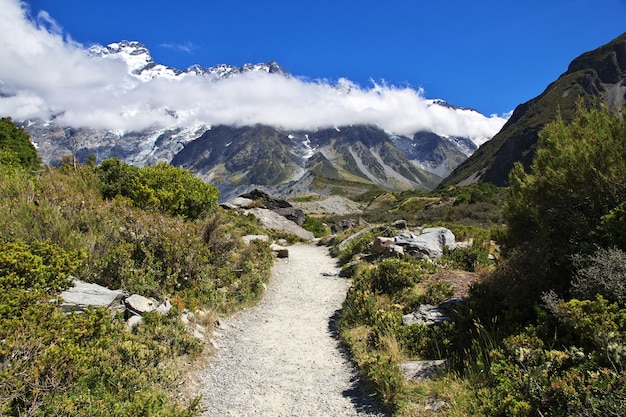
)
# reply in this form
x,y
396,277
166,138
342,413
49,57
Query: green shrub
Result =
x,y
576,180
316,226
16,147
356,246
161,187
467,259
392,275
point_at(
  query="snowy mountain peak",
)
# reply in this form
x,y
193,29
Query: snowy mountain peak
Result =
x,y
141,65
136,55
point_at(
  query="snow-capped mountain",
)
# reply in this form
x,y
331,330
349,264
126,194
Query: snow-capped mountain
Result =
x,y
252,150
141,65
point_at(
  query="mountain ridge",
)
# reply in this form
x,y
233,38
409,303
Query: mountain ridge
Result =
x,y
243,154
597,75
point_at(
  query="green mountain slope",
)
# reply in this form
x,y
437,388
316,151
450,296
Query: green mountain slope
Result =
x,y
596,76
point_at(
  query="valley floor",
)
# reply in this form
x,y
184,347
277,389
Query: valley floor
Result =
x,y
283,358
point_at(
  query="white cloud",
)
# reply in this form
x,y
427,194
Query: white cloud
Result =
x,y
187,47
51,75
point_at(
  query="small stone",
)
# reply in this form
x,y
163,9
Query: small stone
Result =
x,y
426,314
165,307
187,317
140,304
280,251
133,321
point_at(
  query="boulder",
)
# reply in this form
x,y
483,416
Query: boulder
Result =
x,y
294,214
426,314
394,251
430,243
83,295
139,304
274,221
418,370
345,224
263,199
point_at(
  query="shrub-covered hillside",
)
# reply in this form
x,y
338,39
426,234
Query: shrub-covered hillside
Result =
x,y
153,231
542,332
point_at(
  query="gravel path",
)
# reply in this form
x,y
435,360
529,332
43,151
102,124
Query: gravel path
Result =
x,y
283,358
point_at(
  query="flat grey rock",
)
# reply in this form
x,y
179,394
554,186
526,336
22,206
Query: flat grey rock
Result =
x,y
418,370
84,294
140,304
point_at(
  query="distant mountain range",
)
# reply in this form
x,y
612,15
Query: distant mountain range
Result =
x,y
239,157
596,76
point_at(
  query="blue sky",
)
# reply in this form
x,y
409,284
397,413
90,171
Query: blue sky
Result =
x,y
487,55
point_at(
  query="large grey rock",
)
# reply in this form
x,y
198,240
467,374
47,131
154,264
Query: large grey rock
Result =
x,y
356,235
140,304
294,214
426,314
345,224
274,221
400,224
83,295
418,370
429,243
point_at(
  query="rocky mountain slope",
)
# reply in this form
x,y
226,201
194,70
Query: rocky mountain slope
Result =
x,y
596,76
244,155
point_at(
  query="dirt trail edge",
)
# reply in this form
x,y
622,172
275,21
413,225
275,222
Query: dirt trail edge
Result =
x,y
283,357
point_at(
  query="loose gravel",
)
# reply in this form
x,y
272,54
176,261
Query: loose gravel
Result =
x,y
283,357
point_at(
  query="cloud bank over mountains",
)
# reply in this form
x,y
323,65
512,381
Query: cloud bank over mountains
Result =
x,y
45,74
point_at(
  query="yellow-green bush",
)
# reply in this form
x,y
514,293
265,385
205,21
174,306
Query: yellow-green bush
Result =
x,y
59,223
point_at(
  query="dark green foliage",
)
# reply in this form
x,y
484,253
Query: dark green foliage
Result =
x,y
316,226
52,363
15,146
161,188
575,369
567,358
118,178
577,180
57,224
393,275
